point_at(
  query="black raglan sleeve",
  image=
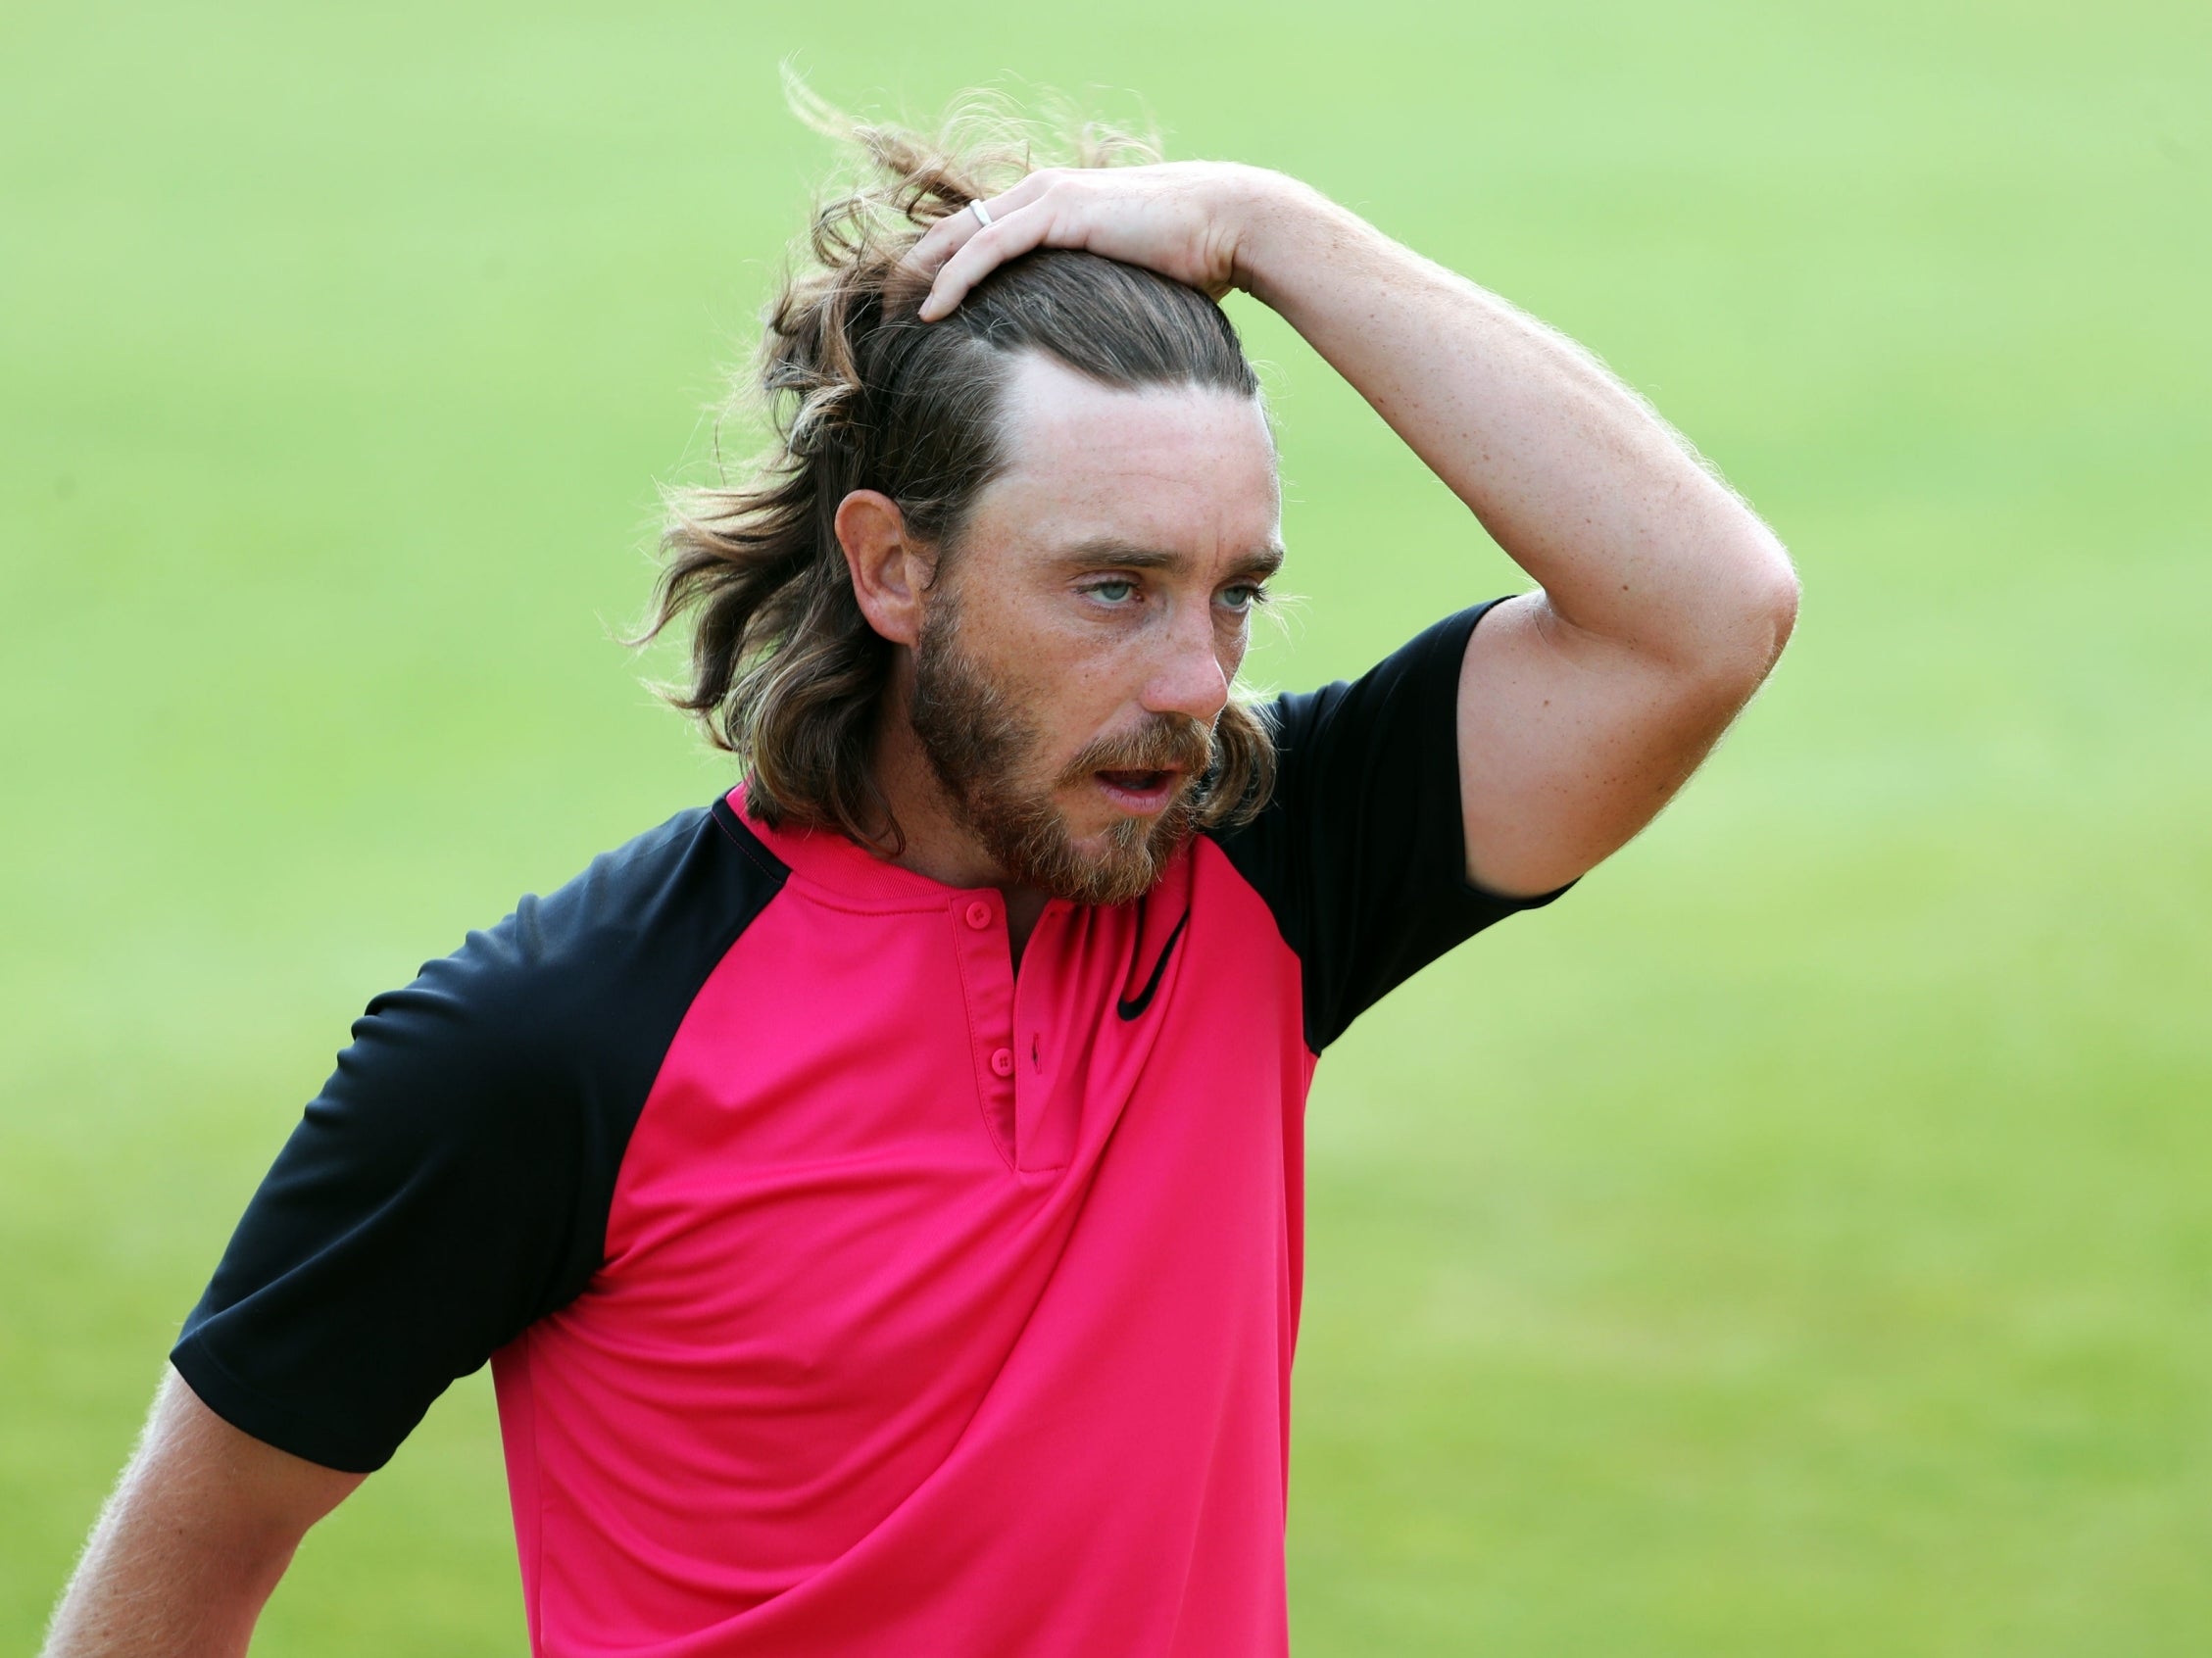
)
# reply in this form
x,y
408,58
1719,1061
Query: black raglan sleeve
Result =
x,y
451,1181
424,1209
1361,851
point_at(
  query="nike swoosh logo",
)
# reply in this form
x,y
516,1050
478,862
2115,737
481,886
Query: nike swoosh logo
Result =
x,y
1130,1010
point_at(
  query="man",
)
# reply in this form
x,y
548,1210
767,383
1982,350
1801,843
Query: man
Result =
x,y
878,1192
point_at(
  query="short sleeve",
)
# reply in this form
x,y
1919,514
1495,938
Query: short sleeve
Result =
x,y
450,1183
1361,851
423,1210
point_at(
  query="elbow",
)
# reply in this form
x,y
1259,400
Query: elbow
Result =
x,y
1774,606
1753,618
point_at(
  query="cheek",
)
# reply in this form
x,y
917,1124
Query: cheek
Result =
x,y
1073,683
1232,638
1093,697
1066,696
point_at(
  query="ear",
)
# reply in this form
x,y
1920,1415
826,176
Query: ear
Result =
x,y
889,568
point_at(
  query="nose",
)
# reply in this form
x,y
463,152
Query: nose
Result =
x,y
1189,678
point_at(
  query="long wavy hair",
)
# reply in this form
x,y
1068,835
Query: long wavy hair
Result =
x,y
858,394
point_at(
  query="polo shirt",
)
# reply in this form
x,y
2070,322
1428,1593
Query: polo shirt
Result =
x,y
847,1291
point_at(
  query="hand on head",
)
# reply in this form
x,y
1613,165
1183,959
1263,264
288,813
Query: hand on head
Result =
x,y
1183,220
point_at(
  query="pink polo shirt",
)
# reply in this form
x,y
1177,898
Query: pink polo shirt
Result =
x,y
847,1291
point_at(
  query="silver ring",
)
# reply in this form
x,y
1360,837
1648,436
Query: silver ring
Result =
x,y
982,214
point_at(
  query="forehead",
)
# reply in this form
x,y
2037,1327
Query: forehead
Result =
x,y
1179,469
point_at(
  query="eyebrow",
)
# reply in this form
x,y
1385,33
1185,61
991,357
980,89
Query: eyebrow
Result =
x,y
1129,555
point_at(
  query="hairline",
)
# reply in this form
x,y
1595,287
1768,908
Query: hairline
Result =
x,y
1007,361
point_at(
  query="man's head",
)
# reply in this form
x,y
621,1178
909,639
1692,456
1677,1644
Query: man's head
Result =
x,y
1065,666
1031,533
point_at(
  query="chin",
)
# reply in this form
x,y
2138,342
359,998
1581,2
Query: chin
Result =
x,y
1117,864
1075,844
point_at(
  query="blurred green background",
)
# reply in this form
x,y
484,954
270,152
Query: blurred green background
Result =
x,y
1800,1240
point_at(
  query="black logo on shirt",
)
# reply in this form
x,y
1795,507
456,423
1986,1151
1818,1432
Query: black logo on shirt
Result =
x,y
1130,1008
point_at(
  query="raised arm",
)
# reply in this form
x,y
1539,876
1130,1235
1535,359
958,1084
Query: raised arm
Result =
x,y
1663,602
199,1529
1664,599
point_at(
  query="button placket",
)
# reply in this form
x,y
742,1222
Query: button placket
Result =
x,y
986,973
1045,1119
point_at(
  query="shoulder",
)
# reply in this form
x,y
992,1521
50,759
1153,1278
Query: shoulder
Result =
x,y
570,1000
1413,688
637,921
1350,745
450,1183
1361,851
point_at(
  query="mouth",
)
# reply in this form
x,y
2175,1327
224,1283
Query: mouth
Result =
x,y
1139,793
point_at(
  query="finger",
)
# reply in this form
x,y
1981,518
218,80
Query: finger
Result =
x,y
950,233
946,237
982,253
942,240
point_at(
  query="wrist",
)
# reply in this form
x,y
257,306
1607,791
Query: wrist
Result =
x,y
1278,219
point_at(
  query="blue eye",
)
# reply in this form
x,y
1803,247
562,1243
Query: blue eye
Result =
x,y
1112,592
1243,598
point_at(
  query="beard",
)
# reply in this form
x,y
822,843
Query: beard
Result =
x,y
981,747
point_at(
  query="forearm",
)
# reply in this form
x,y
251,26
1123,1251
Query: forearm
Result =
x,y
1570,471
188,1549
147,1589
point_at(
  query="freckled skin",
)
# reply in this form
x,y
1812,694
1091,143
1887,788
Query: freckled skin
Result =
x,y
1106,575
1093,647
1661,603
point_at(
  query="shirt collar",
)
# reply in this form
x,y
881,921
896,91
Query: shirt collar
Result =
x,y
834,862
831,859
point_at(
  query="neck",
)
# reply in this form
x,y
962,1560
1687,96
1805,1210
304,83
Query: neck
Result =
x,y
937,844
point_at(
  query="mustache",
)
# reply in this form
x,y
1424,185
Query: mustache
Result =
x,y
1163,743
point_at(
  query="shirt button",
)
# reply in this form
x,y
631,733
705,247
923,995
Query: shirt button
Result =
x,y
1003,1061
979,914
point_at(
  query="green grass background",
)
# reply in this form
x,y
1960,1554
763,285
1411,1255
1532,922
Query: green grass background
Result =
x,y
1798,1242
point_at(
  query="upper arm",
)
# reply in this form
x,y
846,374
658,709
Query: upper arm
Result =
x,y
1570,742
